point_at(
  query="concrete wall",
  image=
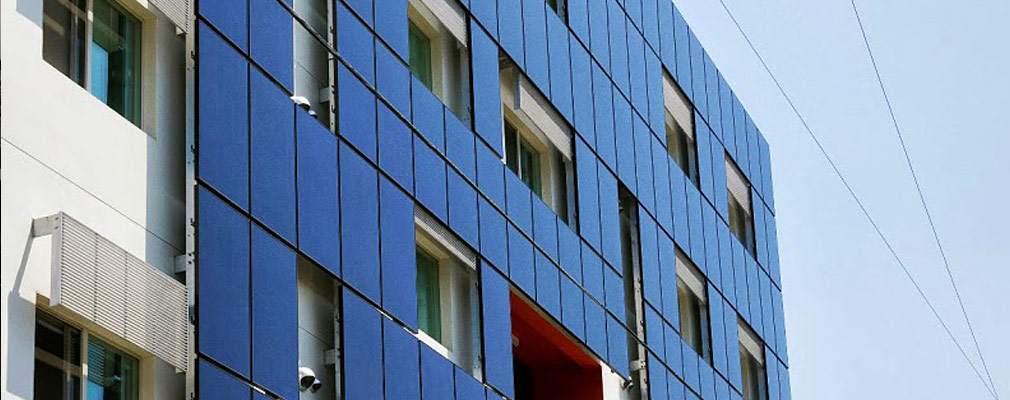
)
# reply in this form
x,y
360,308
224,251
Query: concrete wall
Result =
x,y
63,150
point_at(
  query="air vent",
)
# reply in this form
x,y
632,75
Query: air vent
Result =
x,y
105,284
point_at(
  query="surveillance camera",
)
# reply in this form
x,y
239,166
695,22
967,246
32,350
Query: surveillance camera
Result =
x,y
307,380
304,104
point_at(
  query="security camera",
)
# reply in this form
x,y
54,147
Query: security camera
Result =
x,y
304,104
307,380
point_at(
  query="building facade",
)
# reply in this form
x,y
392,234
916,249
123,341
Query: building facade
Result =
x,y
368,199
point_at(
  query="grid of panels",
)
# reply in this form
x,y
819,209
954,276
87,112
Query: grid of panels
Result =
x,y
334,199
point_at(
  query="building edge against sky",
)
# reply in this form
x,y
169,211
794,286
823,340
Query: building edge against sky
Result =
x,y
381,199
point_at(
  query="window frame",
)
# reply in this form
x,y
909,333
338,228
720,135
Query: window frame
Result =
x,y
692,288
445,25
741,211
753,373
680,129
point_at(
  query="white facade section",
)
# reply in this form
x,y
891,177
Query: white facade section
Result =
x,y
64,150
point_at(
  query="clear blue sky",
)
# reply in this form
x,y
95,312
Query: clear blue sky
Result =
x,y
856,328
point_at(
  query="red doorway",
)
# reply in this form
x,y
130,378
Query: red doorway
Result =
x,y
547,363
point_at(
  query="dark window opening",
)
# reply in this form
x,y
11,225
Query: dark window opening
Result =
x,y
683,150
57,358
634,303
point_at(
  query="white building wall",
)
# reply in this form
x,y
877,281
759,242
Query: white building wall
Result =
x,y
63,150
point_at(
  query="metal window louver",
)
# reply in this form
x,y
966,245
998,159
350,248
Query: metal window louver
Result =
x,y
429,224
105,284
177,11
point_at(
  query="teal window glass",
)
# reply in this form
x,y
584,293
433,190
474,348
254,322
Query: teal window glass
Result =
x,y
112,374
420,55
429,313
523,159
115,59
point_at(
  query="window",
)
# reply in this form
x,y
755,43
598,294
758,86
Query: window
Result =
x,y
752,366
448,313
318,328
741,220
57,358
110,372
634,303
100,50
560,7
691,297
538,144
438,55
313,63
680,129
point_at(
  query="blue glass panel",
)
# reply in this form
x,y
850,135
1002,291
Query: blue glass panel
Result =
x,y
728,284
569,252
773,249
742,150
668,276
754,156
596,328
754,294
560,65
391,24
362,348
426,111
588,192
232,21
223,294
462,208
654,333
572,314
395,144
548,285
760,238
657,380
318,212
767,311
399,272
666,44
682,39
678,197
582,91
702,136
401,362
490,174
521,268
780,324
392,79
487,113
766,173
468,388
739,129
654,85
614,285
359,222
674,349
599,41
637,72
726,108
497,330
617,347
545,228
714,116
355,42
520,203
492,235
711,221
697,249
784,387
722,390
578,18
732,347
698,93
487,13
223,128
272,144
661,179
649,258
363,8
625,143
691,374
429,179
215,383
634,10
459,146
610,225
275,315
592,273
618,45
650,23
719,179
535,39
271,40
718,330
675,388
510,30
356,112
772,375
707,380
740,277
643,164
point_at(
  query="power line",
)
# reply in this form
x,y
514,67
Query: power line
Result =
x,y
922,198
855,198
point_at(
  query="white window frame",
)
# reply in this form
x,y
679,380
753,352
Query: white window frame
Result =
x,y
445,24
545,129
459,295
751,345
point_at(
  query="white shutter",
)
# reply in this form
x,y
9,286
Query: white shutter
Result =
x,y
677,106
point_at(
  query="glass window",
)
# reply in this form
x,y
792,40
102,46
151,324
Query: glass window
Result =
x,y
429,316
559,7
420,55
113,75
741,220
57,358
683,150
752,368
691,295
112,374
